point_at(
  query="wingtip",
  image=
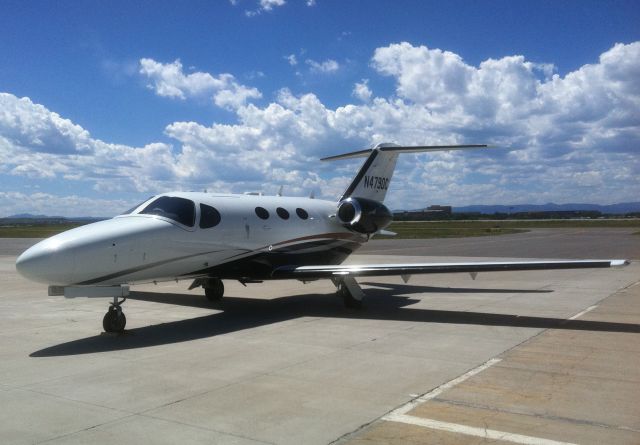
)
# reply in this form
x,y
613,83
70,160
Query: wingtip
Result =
x,y
619,263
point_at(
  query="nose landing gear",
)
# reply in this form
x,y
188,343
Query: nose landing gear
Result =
x,y
114,320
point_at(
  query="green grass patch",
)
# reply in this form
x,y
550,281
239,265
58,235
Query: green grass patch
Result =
x,y
420,231
34,230
528,224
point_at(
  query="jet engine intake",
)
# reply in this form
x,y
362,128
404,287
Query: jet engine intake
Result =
x,y
363,215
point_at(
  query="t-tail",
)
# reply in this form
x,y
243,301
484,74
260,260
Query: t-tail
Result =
x,y
360,207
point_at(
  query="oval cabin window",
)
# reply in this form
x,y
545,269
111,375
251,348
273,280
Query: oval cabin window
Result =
x,y
262,213
282,213
302,213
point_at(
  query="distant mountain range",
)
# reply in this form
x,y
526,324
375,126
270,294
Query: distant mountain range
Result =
x,y
621,208
30,216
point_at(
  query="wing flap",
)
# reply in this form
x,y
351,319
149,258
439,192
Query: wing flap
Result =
x,y
380,270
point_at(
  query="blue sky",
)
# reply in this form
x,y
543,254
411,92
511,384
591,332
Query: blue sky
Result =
x,y
106,103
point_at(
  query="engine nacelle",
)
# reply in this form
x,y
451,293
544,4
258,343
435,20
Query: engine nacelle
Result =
x,y
363,215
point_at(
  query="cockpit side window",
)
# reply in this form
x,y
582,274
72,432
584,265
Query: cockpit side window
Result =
x,y
209,216
178,209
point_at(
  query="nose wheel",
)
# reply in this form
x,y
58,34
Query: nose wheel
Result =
x,y
114,320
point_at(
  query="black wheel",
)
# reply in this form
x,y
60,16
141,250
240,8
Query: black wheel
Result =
x,y
347,298
214,289
114,320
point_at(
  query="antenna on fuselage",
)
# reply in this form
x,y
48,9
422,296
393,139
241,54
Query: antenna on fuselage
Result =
x,y
280,191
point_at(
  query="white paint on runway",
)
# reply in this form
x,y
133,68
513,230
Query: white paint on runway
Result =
x,y
404,409
400,415
473,431
580,314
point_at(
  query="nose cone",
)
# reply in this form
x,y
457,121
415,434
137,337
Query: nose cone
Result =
x,y
46,262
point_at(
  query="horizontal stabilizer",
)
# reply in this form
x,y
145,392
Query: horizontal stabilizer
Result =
x,y
380,270
401,149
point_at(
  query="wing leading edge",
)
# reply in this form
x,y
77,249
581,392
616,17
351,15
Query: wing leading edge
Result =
x,y
369,270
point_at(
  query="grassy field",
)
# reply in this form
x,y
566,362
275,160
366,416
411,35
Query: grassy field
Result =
x,y
404,229
34,231
423,231
530,223
457,229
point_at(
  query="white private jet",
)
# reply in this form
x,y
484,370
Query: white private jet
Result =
x,y
207,237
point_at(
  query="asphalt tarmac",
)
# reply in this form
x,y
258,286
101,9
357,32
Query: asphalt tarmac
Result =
x,y
516,357
574,243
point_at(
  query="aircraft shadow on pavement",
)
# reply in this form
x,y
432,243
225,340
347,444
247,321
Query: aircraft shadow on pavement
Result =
x,y
404,289
237,314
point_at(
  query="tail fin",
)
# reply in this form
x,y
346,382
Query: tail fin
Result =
x,y
374,177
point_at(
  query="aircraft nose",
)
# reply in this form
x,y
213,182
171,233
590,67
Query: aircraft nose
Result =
x,y
45,262
28,262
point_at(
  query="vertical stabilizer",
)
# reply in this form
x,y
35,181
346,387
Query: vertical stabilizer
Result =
x,y
372,181
374,177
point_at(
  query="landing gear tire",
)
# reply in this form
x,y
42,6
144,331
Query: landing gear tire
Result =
x,y
114,320
214,289
347,298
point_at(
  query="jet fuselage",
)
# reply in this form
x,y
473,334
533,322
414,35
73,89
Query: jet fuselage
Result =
x,y
248,238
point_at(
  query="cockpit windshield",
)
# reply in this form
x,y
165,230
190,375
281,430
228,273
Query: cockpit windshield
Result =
x,y
178,209
135,206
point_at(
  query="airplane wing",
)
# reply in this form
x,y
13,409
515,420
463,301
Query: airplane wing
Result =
x,y
369,270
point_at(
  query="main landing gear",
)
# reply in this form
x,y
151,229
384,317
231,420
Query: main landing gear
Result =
x,y
350,292
114,320
213,289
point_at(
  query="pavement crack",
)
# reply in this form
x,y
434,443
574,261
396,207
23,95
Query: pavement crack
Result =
x,y
203,428
89,428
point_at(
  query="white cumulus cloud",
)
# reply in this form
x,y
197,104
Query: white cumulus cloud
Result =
x,y
362,91
40,203
264,6
572,137
292,59
23,123
169,80
268,5
37,143
327,66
